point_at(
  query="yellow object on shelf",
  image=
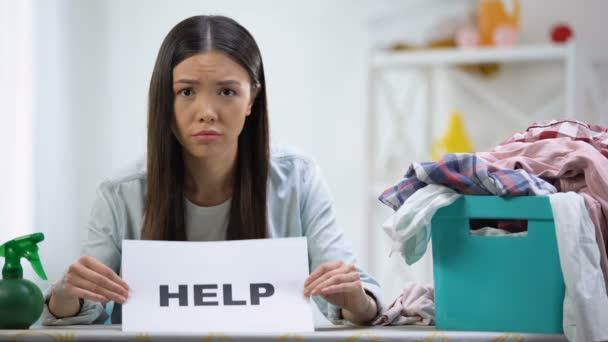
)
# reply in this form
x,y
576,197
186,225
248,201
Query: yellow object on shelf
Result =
x,y
494,14
454,141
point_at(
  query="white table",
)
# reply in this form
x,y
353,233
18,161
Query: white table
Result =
x,y
345,334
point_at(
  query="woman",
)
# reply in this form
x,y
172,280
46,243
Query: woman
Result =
x,y
210,175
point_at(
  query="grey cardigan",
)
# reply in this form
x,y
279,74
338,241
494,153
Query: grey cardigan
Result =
x,y
299,204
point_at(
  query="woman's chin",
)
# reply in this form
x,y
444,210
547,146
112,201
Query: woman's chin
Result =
x,y
202,152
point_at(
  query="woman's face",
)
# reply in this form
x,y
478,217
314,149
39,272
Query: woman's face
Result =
x,y
212,97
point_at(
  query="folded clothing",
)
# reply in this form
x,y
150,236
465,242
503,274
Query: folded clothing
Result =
x,y
455,174
489,231
596,136
571,165
509,226
467,174
416,305
410,226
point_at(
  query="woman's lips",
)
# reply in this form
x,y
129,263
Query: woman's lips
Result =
x,y
206,136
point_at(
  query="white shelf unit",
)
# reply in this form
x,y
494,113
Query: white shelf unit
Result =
x,y
436,66
441,56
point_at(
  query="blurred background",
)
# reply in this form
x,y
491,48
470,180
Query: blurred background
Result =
x,y
365,87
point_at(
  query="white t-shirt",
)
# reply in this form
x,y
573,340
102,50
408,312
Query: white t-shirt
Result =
x,y
206,223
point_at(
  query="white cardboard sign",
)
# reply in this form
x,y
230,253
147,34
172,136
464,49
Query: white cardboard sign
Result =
x,y
224,286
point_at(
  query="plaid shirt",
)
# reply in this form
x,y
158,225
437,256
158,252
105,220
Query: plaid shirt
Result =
x,y
468,174
576,130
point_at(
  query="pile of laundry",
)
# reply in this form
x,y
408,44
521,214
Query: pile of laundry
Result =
x,y
566,160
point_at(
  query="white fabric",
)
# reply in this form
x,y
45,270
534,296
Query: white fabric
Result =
x,y
585,302
416,305
490,231
206,223
410,226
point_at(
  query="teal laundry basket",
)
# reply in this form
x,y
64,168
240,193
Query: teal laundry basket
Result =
x,y
497,283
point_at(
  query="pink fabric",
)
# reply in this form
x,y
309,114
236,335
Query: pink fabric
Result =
x,y
416,305
595,135
572,165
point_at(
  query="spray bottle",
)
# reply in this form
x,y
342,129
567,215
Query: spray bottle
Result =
x,y
21,301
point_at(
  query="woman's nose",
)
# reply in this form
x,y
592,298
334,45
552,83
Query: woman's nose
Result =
x,y
207,116
206,111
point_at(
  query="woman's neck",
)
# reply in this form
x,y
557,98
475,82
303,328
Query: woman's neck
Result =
x,y
209,181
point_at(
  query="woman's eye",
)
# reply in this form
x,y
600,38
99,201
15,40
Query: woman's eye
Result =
x,y
227,92
187,92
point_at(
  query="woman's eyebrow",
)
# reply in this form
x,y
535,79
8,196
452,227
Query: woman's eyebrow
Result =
x,y
220,83
228,82
186,81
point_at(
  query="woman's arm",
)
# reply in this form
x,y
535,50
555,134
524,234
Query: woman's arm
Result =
x,y
61,307
340,284
331,258
369,312
92,279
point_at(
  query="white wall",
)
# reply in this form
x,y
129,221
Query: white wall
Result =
x,y
16,150
586,17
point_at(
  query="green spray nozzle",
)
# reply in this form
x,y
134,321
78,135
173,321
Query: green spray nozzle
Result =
x,y
22,247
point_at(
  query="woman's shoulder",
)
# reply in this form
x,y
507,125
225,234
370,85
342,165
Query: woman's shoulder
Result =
x,y
290,166
285,158
129,178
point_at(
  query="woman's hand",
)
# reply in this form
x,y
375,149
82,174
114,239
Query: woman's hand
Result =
x,y
88,278
339,284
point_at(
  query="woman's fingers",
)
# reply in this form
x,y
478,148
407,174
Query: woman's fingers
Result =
x,y
101,268
337,279
78,292
340,284
321,270
78,282
89,278
340,288
329,273
101,282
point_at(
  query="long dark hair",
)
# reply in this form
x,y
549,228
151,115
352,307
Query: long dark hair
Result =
x,y
165,208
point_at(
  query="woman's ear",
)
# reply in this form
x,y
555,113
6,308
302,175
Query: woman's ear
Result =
x,y
255,90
